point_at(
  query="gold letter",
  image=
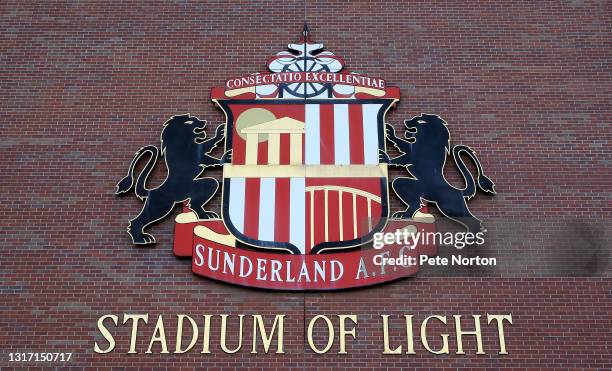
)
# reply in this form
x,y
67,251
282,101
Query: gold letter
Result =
x,y
476,333
397,350
343,332
206,336
258,324
499,318
135,318
444,349
223,334
330,334
159,335
107,335
179,333
409,335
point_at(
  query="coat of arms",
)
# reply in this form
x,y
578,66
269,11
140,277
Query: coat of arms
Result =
x,y
305,183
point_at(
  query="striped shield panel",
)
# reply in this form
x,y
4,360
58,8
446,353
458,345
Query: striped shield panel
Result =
x,y
305,176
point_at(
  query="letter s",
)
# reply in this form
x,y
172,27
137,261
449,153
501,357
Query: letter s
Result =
x,y
480,238
199,257
107,335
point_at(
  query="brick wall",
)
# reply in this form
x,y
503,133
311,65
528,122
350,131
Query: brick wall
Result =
x,y
85,84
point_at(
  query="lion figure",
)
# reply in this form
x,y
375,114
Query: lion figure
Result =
x,y
424,148
186,153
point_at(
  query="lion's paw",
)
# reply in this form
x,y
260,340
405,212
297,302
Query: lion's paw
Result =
x,y
210,215
143,239
383,157
226,158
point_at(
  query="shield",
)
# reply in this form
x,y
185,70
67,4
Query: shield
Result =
x,y
305,175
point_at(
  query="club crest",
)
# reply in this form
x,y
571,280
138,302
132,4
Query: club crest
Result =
x,y
305,186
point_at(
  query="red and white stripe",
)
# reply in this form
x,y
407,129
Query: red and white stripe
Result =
x,y
269,209
341,134
291,210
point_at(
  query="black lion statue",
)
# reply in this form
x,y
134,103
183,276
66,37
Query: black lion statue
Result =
x,y
186,153
423,153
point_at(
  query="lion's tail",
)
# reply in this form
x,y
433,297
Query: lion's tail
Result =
x,y
484,183
126,184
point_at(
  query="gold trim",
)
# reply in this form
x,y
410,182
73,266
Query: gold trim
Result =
x,y
235,92
371,91
209,234
421,217
187,217
301,171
